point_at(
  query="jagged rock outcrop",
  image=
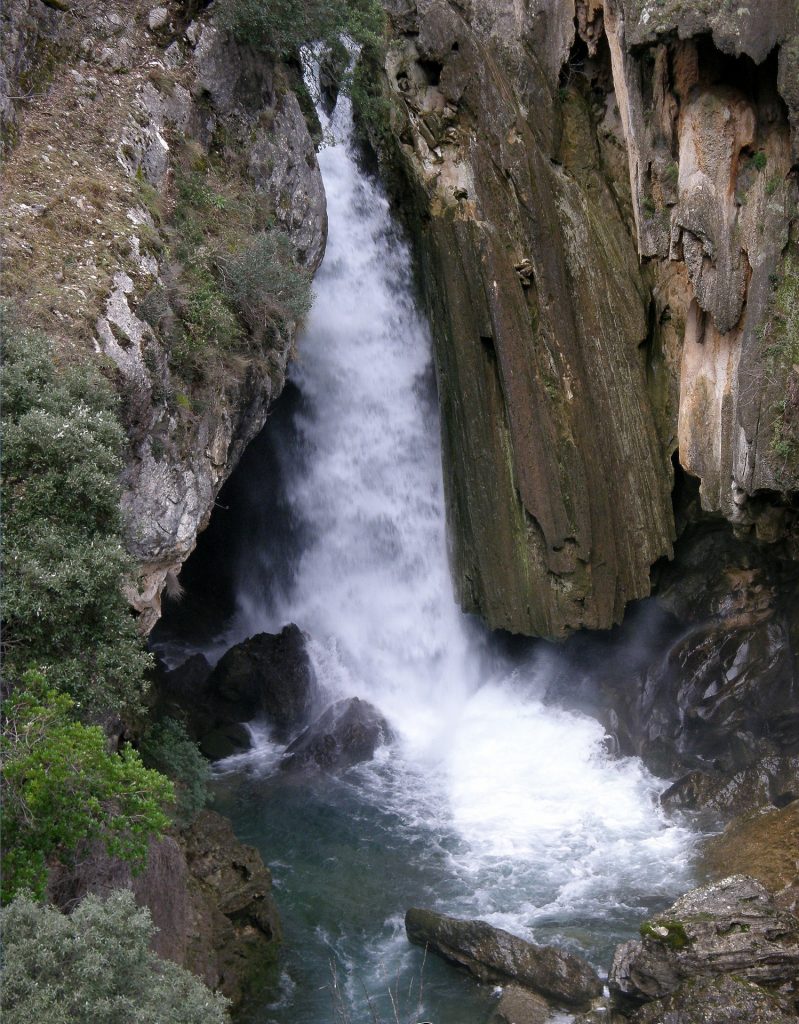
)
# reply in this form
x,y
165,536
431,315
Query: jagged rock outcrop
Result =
x,y
269,676
210,898
731,927
346,733
136,99
601,199
494,955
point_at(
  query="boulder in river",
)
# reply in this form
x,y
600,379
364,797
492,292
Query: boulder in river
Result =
x,y
494,955
269,674
729,927
348,732
266,676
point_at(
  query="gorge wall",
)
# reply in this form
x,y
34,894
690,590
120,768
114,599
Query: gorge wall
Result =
x,y
604,202
140,138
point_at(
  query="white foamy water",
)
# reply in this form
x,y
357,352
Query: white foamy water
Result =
x,y
536,828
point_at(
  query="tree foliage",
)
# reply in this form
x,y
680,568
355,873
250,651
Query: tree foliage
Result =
x,y
281,27
64,561
61,786
168,748
95,965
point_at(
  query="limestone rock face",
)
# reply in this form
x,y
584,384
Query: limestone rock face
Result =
x,y
494,955
546,156
538,310
731,927
136,96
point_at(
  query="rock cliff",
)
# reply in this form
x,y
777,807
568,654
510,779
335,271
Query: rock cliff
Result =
x,y
602,197
131,126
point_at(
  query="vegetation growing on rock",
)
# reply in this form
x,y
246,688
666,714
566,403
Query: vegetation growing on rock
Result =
x,y
64,614
62,787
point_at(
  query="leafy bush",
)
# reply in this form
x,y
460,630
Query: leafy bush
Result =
x,y
63,609
95,965
266,285
280,27
62,786
167,748
782,359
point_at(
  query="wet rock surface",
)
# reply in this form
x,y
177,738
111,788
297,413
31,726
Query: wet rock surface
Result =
x,y
268,676
730,927
494,955
348,732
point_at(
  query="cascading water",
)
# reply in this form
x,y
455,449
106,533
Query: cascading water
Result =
x,y
490,803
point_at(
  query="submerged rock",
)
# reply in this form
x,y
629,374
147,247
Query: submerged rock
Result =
x,y
347,733
494,955
729,927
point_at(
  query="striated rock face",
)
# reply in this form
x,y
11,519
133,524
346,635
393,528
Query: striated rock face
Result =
x,y
494,955
538,310
210,898
602,206
731,927
126,99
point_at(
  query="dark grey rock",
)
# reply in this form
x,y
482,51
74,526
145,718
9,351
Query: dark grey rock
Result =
x,y
494,955
347,733
270,675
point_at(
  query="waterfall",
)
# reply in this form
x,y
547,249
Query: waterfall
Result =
x,y
491,802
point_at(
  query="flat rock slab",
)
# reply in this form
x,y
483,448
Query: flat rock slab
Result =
x,y
729,927
494,955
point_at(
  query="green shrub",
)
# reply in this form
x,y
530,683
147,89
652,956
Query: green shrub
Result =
x,y
207,317
168,748
759,160
61,786
95,965
64,560
265,284
280,27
